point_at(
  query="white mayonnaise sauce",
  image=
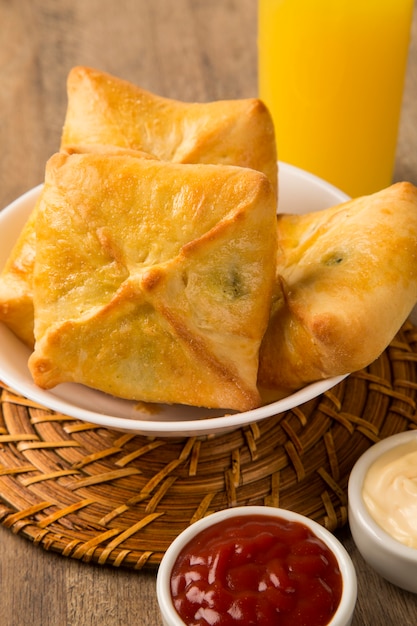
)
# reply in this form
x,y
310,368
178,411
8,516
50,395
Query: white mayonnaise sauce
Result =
x,y
390,492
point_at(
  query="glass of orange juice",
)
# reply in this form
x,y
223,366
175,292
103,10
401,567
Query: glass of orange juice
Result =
x,y
332,74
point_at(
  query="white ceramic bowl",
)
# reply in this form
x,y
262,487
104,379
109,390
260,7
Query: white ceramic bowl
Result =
x,y
392,559
344,613
300,192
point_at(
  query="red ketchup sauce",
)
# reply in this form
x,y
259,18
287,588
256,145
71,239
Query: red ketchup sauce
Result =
x,y
256,571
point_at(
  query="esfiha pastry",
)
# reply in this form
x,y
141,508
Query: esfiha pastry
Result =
x,y
105,109
346,282
16,278
153,280
104,112
16,296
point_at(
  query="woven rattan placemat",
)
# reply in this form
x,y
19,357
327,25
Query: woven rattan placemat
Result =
x,y
112,498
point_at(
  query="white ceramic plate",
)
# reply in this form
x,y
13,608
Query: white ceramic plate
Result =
x,y
299,192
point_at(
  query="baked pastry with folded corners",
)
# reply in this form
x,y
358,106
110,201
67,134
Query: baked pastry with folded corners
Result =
x,y
152,280
346,282
103,109
16,297
16,289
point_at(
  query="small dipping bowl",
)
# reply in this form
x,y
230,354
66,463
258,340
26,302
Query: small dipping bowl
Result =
x,y
391,558
241,517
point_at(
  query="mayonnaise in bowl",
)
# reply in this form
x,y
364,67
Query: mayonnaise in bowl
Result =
x,y
390,492
382,495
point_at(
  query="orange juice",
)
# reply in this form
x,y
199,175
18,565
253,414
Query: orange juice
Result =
x,y
332,74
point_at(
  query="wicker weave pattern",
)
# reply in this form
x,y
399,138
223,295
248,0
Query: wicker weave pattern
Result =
x,y
117,499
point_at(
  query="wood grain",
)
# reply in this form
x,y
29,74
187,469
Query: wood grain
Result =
x,y
186,49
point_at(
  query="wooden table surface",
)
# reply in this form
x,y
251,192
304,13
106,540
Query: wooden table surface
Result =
x,y
192,50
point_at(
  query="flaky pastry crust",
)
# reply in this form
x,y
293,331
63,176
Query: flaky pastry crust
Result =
x,y
105,109
105,114
153,280
346,282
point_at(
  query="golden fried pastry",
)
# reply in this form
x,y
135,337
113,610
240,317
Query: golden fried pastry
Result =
x,y
346,281
16,293
16,301
105,113
153,280
108,110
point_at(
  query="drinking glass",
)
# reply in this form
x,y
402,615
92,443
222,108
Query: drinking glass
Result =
x,y
332,74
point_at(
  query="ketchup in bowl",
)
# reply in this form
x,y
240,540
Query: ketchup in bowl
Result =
x,y
256,570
